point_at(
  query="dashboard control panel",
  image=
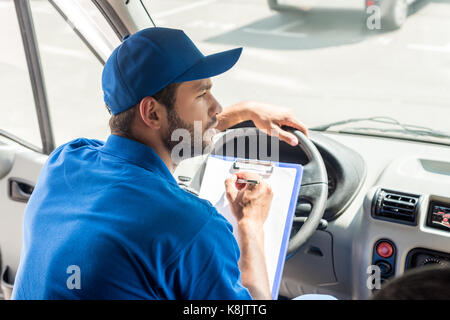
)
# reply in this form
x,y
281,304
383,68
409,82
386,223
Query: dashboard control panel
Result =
x,y
383,256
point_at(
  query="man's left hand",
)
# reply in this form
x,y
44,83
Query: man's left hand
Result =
x,y
269,119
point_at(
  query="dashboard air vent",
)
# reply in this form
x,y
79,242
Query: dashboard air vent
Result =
x,y
395,206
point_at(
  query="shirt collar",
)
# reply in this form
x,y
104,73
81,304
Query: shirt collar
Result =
x,y
137,153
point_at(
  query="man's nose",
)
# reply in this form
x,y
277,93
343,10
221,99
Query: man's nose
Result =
x,y
215,109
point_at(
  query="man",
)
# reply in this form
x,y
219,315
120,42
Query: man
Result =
x,y
109,221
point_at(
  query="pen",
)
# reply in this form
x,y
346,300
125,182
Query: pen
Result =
x,y
249,181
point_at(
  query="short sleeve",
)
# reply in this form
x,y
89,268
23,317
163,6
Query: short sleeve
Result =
x,y
208,268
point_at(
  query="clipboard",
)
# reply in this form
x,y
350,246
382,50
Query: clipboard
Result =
x,y
284,178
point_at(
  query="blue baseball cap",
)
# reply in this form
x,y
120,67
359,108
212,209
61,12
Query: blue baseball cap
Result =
x,y
149,60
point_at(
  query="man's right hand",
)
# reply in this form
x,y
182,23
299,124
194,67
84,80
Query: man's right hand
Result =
x,y
250,205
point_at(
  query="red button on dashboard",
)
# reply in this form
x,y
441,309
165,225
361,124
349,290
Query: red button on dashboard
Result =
x,y
384,249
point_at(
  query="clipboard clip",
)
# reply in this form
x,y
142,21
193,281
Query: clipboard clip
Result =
x,y
260,166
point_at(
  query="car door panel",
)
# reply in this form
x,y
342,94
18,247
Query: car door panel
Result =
x,y
24,172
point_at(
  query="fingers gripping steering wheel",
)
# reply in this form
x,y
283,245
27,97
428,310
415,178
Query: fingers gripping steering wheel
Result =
x,y
313,189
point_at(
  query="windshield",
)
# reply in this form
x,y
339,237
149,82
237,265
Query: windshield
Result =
x,y
328,60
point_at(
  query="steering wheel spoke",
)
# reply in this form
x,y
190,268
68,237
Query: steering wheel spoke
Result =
x,y
301,220
310,175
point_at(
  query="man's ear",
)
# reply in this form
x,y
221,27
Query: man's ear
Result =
x,y
151,112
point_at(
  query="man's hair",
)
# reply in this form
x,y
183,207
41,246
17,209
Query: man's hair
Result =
x,y
424,283
121,123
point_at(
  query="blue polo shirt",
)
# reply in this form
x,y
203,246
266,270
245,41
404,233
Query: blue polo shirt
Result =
x,y
109,221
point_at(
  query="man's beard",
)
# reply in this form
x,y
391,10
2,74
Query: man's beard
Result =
x,y
175,122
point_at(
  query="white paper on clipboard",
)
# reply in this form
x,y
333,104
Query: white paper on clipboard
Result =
x,y
281,180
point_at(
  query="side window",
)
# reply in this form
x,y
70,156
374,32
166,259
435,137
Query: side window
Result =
x,y
72,76
17,109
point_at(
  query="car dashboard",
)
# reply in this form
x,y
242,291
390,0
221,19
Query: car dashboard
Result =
x,y
388,206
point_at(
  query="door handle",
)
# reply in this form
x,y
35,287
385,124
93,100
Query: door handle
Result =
x,y
20,189
7,283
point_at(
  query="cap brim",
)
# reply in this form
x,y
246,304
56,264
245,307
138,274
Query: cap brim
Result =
x,y
211,65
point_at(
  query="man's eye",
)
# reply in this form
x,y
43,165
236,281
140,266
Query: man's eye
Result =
x,y
202,95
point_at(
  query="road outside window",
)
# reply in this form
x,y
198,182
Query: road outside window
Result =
x,y
72,76
328,61
17,112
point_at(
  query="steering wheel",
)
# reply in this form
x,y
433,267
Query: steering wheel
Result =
x,y
313,188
